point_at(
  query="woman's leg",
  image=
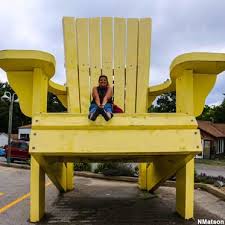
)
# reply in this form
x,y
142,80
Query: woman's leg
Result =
x,y
93,111
107,111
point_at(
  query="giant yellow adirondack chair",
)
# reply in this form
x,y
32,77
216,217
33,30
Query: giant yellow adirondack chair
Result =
x,y
164,144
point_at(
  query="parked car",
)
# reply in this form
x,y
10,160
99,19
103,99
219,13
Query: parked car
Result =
x,y
2,151
19,151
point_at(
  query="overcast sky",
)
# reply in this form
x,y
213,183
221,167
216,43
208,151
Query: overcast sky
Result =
x,y
178,26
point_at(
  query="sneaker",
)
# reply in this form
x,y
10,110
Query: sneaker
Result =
x,y
92,116
107,115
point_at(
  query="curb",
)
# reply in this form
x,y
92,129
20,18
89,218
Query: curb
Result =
x,y
13,165
211,189
206,187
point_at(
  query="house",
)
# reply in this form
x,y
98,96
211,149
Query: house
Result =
x,y
24,132
3,139
213,138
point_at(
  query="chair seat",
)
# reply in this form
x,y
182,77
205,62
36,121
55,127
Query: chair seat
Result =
x,y
126,135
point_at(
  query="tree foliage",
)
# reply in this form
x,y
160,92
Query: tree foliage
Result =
x,y
215,114
54,105
19,119
167,103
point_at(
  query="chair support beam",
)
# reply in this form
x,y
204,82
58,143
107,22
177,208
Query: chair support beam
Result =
x,y
37,191
185,190
56,172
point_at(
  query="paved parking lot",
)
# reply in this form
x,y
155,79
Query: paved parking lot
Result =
x,y
98,202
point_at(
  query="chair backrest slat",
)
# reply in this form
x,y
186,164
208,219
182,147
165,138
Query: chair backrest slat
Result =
x,y
118,48
70,52
131,65
95,53
144,40
83,63
107,48
119,61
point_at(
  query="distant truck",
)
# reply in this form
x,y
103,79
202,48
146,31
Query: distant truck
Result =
x,y
19,151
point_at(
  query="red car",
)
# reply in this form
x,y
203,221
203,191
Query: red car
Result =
x,y
19,151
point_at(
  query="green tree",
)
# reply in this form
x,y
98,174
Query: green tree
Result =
x,y
208,113
54,105
165,103
19,119
219,113
215,114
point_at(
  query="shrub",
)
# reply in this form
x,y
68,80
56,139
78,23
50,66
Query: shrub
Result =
x,y
82,167
115,169
203,178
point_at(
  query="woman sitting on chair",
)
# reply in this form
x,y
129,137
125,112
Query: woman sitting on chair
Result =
x,y
102,100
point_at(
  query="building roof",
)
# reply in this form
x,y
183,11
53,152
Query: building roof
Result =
x,y
25,126
214,129
220,127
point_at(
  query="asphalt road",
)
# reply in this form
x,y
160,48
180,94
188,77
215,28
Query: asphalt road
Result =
x,y
210,170
98,202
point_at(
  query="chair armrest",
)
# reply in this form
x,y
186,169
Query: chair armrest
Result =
x,y
27,60
59,91
195,75
20,67
156,90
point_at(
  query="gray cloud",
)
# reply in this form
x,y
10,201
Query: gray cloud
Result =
x,y
179,26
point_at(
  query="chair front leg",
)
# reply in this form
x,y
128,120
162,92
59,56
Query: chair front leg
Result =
x,y
37,191
185,190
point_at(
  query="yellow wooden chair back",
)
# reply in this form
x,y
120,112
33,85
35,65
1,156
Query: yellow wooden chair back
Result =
x,y
116,47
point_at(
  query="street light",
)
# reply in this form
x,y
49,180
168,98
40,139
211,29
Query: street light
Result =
x,y
11,98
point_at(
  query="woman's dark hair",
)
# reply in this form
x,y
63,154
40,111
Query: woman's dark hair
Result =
x,y
104,77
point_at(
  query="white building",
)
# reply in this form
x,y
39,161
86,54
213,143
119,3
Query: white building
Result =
x,y
3,139
24,132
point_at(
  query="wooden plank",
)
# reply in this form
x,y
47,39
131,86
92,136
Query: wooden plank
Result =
x,y
144,40
95,56
22,83
131,142
185,190
40,91
107,48
83,63
55,171
185,93
131,65
120,122
119,61
70,48
142,176
162,168
37,191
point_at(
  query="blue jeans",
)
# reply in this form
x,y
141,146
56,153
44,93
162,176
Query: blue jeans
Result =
x,y
107,107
